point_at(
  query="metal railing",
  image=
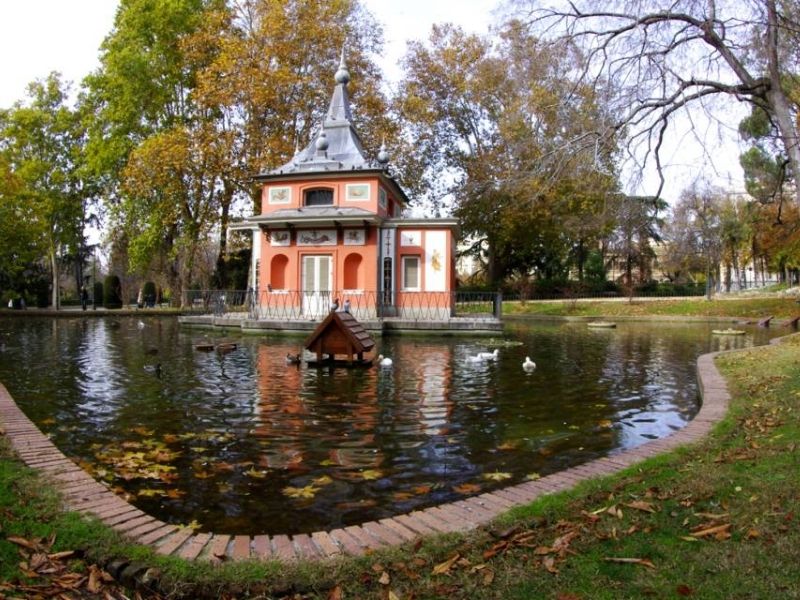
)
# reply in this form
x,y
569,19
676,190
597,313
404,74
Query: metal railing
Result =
x,y
365,305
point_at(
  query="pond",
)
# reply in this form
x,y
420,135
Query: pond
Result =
x,y
242,443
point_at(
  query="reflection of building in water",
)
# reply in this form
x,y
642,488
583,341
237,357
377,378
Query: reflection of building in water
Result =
x,y
314,415
432,365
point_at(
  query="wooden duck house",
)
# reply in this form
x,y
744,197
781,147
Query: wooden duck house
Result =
x,y
340,334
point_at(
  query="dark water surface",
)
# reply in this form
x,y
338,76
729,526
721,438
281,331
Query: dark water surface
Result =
x,y
243,443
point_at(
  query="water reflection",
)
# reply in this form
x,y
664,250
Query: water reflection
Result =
x,y
241,442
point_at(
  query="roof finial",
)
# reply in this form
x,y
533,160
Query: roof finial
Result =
x,y
342,74
383,155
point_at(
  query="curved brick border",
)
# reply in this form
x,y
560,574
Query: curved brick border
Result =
x,y
83,494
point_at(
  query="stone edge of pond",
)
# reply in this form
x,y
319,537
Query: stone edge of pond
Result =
x,y
83,494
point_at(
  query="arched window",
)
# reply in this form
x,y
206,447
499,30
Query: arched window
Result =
x,y
319,197
277,271
352,266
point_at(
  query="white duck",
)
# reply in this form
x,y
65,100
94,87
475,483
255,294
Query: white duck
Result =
x,y
384,361
140,324
528,365
489,355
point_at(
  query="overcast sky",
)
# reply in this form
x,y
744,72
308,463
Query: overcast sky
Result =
x,y
39,36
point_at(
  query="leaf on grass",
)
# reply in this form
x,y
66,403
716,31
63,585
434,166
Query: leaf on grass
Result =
x,y
641,505
393,596
488,577
717,529
684,590
497,476
631,561
384,578
467,488
335,593
22,542
444,568
549,563
752,533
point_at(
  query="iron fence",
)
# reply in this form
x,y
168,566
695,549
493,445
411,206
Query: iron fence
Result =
x,y
363,304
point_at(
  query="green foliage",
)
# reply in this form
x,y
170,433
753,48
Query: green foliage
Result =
x,y
595,268
149,293
112,292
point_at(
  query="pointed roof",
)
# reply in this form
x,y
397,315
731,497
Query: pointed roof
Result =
x,y
336,146
359,340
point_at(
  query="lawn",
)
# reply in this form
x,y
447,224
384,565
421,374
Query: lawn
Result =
x,y
719,519
747,308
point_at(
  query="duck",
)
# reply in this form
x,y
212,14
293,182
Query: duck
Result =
x,y
528,364
489,355
474,359
292,359
384,361
140,324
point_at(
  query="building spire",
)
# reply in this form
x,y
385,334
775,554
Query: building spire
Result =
x,y
342,74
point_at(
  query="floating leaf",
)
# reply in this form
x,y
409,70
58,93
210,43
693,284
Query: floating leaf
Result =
x,y
149,493
327,463
170,438
497,476
308,491
193,525
467,488
203,474
175,494
143,431
253,472
508,445
371,474
131,445
605,424
532,476
402,496
49,421
421,490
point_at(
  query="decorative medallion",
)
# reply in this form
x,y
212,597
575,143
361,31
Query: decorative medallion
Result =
x,y
317,237
356,192
280,195
411,238
355,237
279,238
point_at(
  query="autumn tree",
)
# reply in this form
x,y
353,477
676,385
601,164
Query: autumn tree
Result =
x,y
668,58
41,156
484,119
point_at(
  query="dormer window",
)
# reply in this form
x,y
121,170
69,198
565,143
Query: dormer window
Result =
x,y
323,197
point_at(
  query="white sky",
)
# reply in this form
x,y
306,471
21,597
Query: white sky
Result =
x,y
39,36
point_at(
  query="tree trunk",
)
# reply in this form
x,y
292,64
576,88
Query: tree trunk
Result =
x,y
55,298
222,263
777,99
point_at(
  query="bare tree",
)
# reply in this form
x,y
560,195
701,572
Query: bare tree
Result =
x,y
665,57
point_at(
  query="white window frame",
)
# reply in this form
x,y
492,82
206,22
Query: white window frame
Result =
x,y
405,286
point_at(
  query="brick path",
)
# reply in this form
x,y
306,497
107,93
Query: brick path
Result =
x,y
83,494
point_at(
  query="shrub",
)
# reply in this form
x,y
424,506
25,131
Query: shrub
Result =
x,y
112,292
97,293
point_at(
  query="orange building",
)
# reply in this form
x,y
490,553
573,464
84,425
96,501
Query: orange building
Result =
x,y
331,233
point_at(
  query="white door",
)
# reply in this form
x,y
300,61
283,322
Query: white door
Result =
x,y
316,279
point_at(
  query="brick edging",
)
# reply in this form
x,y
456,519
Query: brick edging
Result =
x,y
83,494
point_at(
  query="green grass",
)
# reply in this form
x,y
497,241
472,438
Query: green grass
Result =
x,y
750,308
743,476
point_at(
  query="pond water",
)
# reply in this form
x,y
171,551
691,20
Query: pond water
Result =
x,y
243,443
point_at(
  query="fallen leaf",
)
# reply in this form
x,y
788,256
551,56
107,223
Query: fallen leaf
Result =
x,y
467,488
335,593
497,476
421,490
444,568
308,491
384,578
631,561
253,472
488,577
641,505
371,474
533,476
684,590
322,480
711,530
549,563
393,596
752,533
